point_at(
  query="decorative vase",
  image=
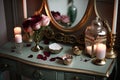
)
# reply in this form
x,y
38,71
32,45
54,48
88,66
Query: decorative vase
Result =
x,y
72,11
37,37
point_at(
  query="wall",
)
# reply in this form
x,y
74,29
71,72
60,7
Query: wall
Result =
x,y
3,32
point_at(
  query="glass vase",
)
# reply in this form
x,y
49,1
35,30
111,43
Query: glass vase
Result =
x,y
37,37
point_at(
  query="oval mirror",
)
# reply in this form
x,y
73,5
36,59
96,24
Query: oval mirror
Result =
x,y
69,15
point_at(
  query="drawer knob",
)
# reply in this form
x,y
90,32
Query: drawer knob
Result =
x,y
3,67
37,74
76,78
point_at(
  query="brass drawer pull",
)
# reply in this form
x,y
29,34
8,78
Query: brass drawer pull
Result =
x,y
76,78
37,74
3,67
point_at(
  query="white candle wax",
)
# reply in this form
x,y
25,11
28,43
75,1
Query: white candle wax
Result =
x,y
100,51
18,38
25,9
89,50
115,17
17,30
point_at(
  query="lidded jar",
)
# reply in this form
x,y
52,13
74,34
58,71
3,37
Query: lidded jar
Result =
x,y
94,35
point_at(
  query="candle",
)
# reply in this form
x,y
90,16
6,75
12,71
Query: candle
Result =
x,y
115,16
18,38
17,30
100,51
25,9
89,50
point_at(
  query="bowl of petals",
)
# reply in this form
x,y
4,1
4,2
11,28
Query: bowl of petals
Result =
x,y
55,48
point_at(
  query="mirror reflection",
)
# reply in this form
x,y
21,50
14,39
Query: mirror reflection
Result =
x,y
68,13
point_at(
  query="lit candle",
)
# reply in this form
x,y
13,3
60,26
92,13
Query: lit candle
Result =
x,y
18,38
100,51
25,9
89,50
17,30
115,16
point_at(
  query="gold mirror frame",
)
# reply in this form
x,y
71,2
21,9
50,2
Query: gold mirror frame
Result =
x,y
76,27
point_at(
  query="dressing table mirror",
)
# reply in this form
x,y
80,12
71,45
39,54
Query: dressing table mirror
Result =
x,y
75,16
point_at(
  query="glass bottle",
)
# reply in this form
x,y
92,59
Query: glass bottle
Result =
x,y
72,11
95,35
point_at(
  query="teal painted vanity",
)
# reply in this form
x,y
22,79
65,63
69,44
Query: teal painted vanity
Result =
x,y
81,68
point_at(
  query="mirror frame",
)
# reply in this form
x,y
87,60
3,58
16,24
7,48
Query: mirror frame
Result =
x,y
77,26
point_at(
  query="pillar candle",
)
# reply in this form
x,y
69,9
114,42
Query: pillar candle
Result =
x,y
89,50
17,30
25,9
115,17
18,38
100,51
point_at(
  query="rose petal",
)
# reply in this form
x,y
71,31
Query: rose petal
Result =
x,y
52,59
59,58
39,56
30,56
47,54
44,58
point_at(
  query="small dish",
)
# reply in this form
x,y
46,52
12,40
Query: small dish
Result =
x,y
67,59
55,48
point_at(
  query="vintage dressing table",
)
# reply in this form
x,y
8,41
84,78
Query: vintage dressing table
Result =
x,y
19,64
25,65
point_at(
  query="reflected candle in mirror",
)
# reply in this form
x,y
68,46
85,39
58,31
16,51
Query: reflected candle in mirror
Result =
x,y
18,38
17,30
100,51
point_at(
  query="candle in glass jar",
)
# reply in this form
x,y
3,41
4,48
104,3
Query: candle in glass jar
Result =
x,y
100,51
18,38
17,30
89,50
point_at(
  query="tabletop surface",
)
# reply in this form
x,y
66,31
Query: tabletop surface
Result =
x,y
78,64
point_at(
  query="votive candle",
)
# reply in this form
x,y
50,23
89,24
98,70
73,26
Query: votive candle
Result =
x,y
100,51
18,38
17,30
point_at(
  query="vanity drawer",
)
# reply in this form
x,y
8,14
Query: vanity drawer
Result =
x,y
37,73
9,64
76,76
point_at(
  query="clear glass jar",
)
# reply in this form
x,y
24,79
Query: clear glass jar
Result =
x,y
95,35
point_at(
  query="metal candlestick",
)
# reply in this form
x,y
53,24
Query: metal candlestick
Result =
x,y
111,53
99,62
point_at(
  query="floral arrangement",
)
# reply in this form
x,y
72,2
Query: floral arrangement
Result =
x,y
62,19
35,24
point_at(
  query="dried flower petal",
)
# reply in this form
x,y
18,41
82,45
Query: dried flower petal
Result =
x,y
47,54
52,59
30,56
59,58
39,56
44,58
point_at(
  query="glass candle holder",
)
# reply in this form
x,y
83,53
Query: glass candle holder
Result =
x,y
95,40
18,43
18,47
